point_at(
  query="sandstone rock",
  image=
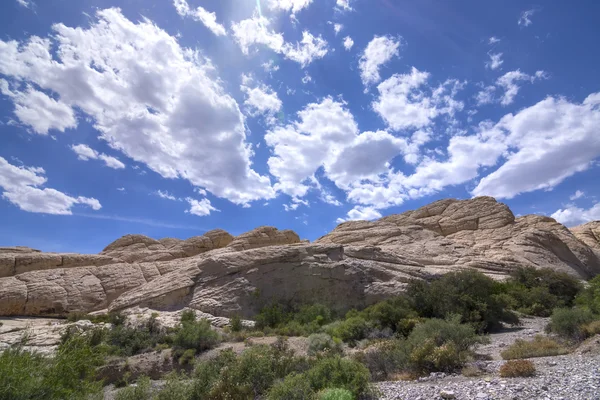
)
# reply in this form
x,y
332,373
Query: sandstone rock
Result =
x,y
358,263
263,236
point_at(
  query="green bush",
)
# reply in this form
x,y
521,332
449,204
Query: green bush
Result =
x,y
468,293
391,314
69,374
385,358
338,372
235,323
590,297
538,291
350,330
176,388
322,342
293,387
196,335
336,394
569,323
138,391
126,340
271,316
540,346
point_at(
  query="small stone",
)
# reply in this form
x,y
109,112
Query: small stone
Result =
x,y
447,395
481,395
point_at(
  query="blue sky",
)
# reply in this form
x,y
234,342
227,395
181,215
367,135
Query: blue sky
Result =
x,y
170,118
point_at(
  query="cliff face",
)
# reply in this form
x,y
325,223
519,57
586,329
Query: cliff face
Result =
x,y
356,264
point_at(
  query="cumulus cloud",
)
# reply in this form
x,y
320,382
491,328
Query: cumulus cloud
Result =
x,y
525,18
573,216
348,42
360,213
406,101
22,186
495,61
38,110
158,103
485,95
209,19
288,5
378,52
548,142
343,5
493,40
166,195
509,82
261,99
85,153
200,208
255,31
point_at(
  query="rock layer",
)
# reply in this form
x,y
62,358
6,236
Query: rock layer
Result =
x,y
358,263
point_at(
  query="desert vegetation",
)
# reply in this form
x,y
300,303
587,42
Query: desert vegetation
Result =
x,y
435,326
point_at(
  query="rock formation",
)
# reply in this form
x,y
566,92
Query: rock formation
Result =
x,y
356,264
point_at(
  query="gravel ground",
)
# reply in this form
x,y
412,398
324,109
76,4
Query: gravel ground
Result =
x,y
570,377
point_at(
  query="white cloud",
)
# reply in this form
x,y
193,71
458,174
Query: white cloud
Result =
x,y
328,198
121,189
337,28
260,99
343,5
306,78
348,42
548,142
39,111
573,216
525,18
296,202
209,19
288,5
26,3
509,81
485,95
379,51
360,213
577,195
200,208
403,102
255,31
166,195
493,40
270,66
86,153
21,186
495,61
148,97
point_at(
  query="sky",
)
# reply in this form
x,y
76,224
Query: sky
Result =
x,y
170,118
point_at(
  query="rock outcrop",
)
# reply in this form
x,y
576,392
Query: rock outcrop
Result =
x,y
358,263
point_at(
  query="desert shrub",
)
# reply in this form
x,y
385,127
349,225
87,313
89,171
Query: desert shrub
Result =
x,y
591,329
187,357
440,345
470,294
138,391
517,368
317,314
335,394
540,346
392,314
293,387
176,388
127,340
322,342
384,359
235,323
538,291
338,372
69,374
350,330
207,373
196,335
271,316
471,371
569,323
590,297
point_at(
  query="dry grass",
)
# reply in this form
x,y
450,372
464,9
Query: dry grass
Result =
x,y
591,329
540,346
517,368
471,371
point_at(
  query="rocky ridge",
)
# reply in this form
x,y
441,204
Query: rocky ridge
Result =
x,y
358,263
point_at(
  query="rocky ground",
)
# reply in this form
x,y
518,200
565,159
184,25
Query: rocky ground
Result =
x,y
574,376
